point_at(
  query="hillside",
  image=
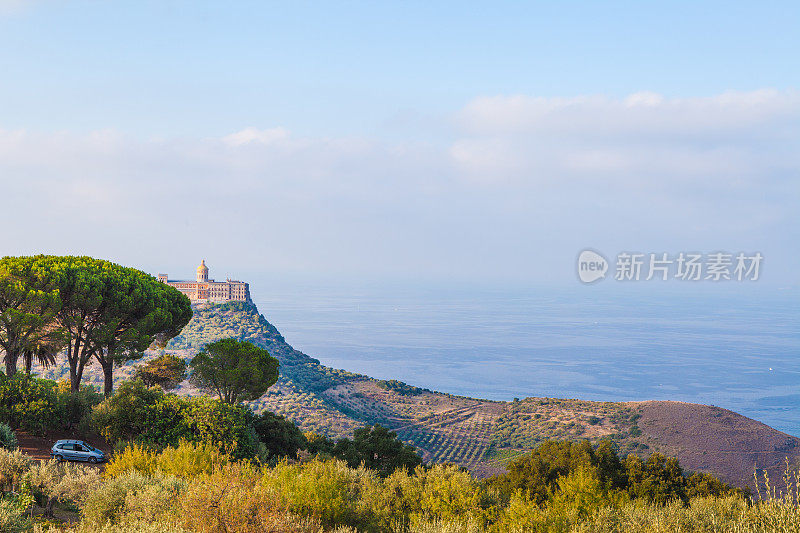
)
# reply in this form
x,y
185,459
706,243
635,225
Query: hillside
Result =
x,y
481,434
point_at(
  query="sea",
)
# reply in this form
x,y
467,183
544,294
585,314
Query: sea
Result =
x,y
737,348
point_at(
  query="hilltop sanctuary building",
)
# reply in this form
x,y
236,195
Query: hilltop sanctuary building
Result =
x,y
206,290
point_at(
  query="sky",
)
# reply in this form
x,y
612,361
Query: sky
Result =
x,y
424,142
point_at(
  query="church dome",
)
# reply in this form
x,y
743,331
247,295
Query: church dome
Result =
x,y
202,272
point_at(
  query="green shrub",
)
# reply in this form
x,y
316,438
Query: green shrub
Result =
x,y
108,502
657,480
75,408
27,402
328,491
156,502
581,493
13,466
7,438
12,517
149,416
378,449
222,424
62,482
441,493
281,437
38,405
134,412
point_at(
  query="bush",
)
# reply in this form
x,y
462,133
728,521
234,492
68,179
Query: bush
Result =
x,y
281,437
27,402
75,408
13,466
38,405
222,424
136,412
213,496
129,527
12,517
157,502
7,438
328,491
184,461
149,416
657,480
378,449
108,502
62,482
231,499
581,493
441,493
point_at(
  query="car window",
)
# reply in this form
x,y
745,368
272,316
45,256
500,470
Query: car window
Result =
x,y
68,446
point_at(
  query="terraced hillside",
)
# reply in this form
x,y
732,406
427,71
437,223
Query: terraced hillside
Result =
x,y
478,434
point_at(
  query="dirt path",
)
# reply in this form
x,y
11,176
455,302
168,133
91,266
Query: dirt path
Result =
x,y
39,447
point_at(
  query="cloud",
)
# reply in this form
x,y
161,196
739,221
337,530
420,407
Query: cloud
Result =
x,y
522,184
644,137
254,135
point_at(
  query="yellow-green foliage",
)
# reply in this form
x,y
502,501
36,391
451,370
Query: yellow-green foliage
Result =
x,y
12,517
442,492
186,460
13,464
128,527
240,497
63,481
581,494
231,500
329,491
134,497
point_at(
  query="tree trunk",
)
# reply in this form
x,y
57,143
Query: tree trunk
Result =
x,y
48,508
74,382
27,357
11,364
108,376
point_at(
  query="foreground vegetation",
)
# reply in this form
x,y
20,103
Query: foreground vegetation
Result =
x,y
197,488
200,464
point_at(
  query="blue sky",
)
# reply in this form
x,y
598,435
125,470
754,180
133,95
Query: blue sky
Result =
x,y
424,140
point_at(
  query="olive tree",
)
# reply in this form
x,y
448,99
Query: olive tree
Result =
x,y
63,482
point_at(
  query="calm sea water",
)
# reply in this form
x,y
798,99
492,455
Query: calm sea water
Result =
x,y
736,349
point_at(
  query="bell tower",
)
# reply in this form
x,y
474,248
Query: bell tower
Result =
x,y
202,272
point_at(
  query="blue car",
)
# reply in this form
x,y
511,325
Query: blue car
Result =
x,y
76,450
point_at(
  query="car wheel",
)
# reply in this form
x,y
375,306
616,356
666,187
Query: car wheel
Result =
x,y
92,460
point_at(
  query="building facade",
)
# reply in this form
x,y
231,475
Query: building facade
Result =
x,y
205,290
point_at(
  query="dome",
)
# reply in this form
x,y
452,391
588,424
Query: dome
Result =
x,y
202,272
